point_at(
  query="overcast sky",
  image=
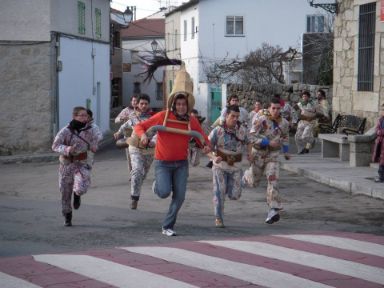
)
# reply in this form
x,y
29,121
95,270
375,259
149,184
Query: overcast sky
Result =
x,y
144,8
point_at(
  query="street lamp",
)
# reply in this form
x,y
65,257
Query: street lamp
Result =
x,y
330,7
127,15
154,45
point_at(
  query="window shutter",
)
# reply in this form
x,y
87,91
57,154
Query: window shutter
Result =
x,y
81,17
98,22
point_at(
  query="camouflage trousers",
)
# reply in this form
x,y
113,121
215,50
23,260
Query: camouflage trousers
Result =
x,y
129,165
73,178
304,136
225,183
194,154
140,167
265,162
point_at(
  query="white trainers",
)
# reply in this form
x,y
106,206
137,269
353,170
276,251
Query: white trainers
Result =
x,y
169,232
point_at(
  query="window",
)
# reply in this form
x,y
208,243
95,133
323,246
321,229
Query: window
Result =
x,y
367,15
315,23
136,88
185,30
81,17
159,91
98,22
116,39
234,26
193,28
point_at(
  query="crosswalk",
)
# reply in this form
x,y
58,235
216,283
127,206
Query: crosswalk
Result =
x,y
326,259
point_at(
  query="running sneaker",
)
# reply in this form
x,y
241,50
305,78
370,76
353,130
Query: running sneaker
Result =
x,y
169,232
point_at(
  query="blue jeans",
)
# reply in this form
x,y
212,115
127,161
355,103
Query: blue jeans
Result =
x,y
171,176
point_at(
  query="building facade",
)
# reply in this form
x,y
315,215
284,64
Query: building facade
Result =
x,y
208,35
359,59
142,40
54,55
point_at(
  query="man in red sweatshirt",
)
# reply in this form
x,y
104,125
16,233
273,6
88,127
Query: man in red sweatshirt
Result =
x,y
171,152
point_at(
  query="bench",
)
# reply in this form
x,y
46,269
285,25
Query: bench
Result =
x,y
334,145
360,150
345,124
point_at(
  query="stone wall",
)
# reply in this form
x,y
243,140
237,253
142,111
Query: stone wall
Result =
x,y
290,93
346,97
26,97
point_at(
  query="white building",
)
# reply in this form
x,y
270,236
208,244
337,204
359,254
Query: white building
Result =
x,y
55,55
205,32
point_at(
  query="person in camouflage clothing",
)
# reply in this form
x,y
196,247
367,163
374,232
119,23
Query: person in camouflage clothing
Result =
x,y
124,114
309,111
228,141
268,135
141,159
121,119
73,142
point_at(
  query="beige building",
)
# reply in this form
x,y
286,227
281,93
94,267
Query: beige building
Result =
x,y
359,59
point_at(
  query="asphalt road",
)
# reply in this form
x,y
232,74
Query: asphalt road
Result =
x,y
31,220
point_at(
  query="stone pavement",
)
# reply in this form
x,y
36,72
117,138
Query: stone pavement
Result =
x,y
336,173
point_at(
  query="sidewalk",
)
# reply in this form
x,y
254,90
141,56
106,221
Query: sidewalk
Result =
x,y
335,173
46,157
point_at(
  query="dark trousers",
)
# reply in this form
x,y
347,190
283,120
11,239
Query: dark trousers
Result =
x,y
381,172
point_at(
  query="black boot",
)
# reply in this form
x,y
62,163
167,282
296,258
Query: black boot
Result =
x,y
135,201
68,219
210,164
76,201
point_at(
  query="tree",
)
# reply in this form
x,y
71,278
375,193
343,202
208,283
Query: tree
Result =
x,y
262,66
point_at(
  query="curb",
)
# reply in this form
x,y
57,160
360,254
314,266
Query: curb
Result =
x,y
46,157
354,188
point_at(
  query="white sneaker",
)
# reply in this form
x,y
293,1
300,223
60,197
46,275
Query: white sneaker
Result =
x,y
169,232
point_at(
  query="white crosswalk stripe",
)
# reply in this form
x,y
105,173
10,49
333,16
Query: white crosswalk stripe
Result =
x,y
311,261
341,243
256,275
109,272
340,266
8,281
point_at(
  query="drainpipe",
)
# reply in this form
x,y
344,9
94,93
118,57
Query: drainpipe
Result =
x,y
57,67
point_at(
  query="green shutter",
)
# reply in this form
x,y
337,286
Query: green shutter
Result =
x,y
81,16
98,22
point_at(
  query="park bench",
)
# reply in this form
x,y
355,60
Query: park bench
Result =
x,y
360,148
335,143
345,124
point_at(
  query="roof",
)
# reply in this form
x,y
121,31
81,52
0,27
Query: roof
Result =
x,y
118,17
144,28
183,7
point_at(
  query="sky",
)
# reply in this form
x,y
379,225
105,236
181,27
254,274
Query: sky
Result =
x,y
144,8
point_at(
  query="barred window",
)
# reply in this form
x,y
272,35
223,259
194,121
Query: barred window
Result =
x,y
234,26
81,17
366,52
98,22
